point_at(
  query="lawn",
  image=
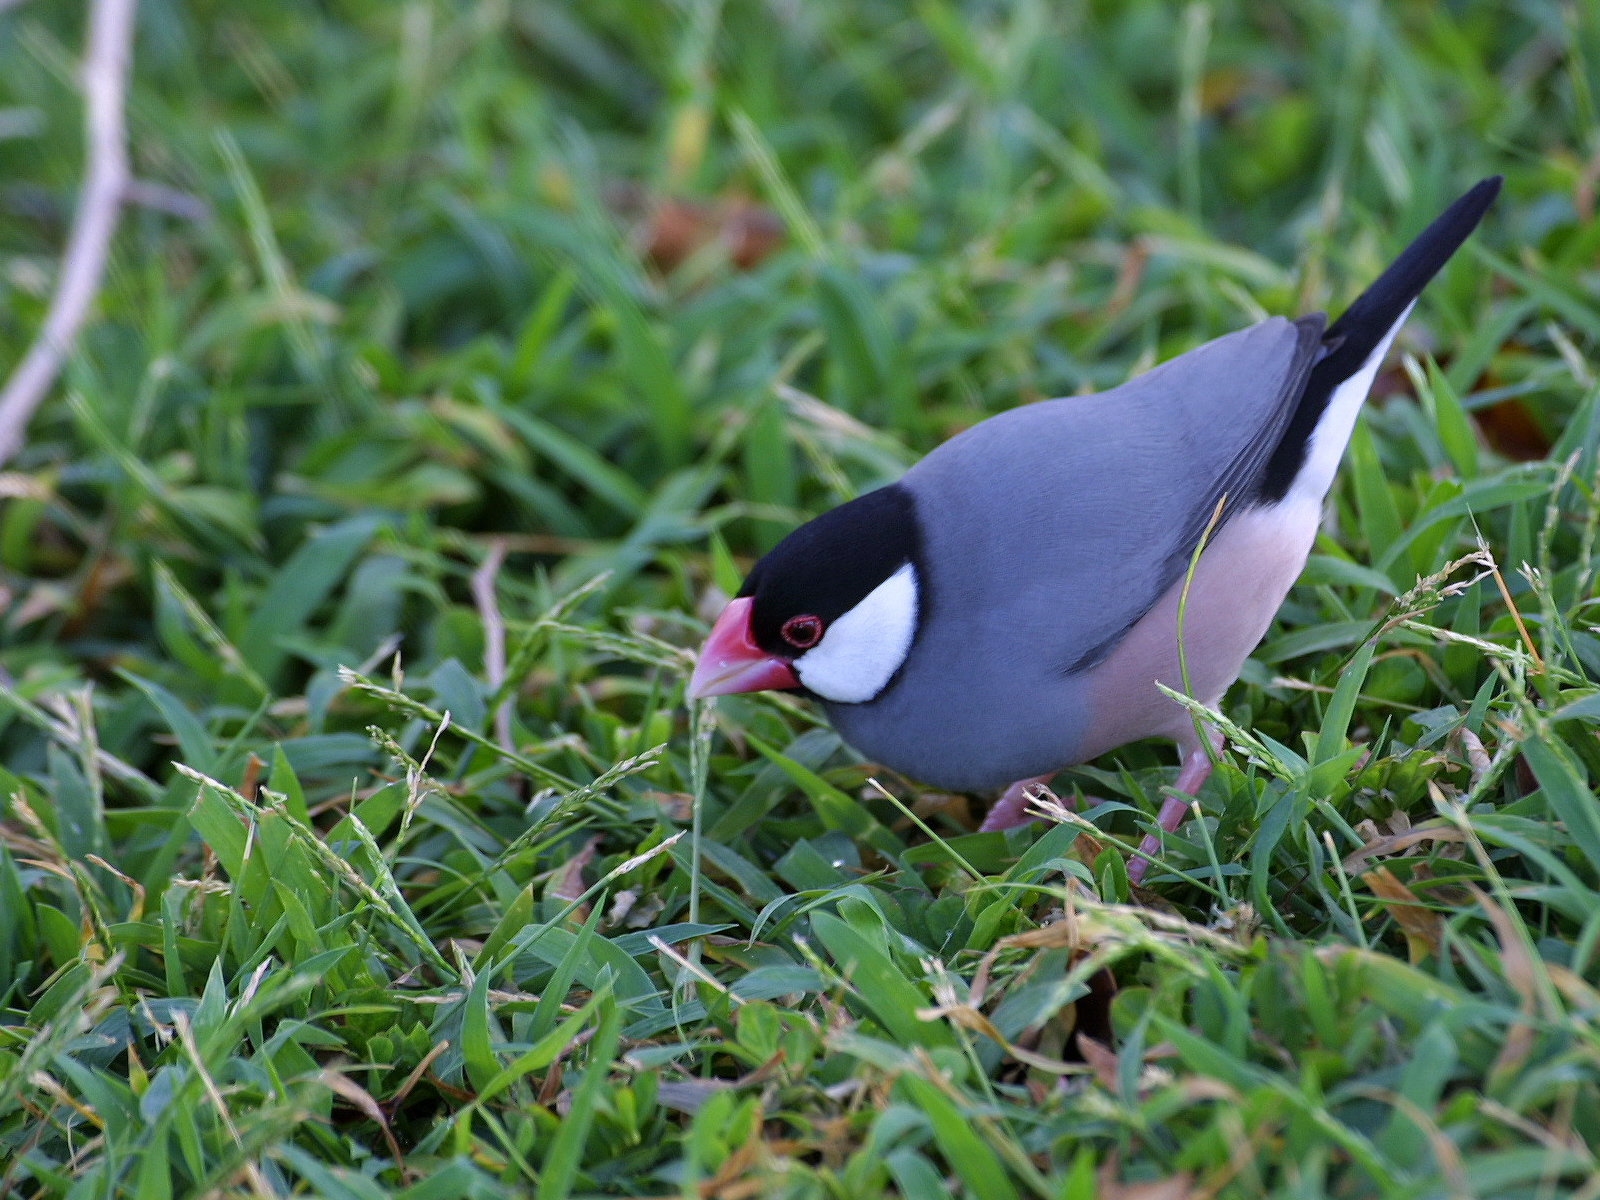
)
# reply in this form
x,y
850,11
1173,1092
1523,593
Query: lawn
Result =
x,y
356,838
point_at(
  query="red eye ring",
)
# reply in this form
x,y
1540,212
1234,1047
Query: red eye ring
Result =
x,y
802,632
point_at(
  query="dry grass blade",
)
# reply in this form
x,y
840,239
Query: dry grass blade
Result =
x,y
1395,843
1519,973
348,1089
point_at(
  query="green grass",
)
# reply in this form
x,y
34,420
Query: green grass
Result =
x,y
270,926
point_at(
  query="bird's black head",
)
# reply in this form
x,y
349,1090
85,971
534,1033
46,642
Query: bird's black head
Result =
x,y
835,602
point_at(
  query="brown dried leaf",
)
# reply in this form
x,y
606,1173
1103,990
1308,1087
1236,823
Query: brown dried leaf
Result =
x,y
1100,1060
353,1093
956,807
675,229
1047,937
1420,924
764,1072
1129,271
1478,761
1514,959
751,232
550,1088
1574,989
1086,848
1519,973
964,1016
106,573
727,1184
1511,432
1198,1087
1395,843
675,806
567,883
971,1018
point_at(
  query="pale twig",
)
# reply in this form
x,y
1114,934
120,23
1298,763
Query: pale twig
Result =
x,y
146,193
494,635
107,50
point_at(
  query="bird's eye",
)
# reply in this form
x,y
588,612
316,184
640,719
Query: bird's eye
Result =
x,y
802,632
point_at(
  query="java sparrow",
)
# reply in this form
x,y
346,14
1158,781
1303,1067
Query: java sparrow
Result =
x,y
1005,609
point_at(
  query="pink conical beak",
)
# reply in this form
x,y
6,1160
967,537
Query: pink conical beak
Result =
x,y
730,661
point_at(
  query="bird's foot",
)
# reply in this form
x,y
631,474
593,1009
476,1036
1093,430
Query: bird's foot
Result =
x,y
1011,809
1192,774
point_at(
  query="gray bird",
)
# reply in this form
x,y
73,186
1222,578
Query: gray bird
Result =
x,y
1006,608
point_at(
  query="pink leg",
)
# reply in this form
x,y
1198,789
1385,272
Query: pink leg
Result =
x,y
1007,812
1196,767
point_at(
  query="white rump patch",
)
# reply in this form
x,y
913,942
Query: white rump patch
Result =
x,y
1332,433
862,650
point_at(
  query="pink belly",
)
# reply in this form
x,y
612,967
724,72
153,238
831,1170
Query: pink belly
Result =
x,y
1240,580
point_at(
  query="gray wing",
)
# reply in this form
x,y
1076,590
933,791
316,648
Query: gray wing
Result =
x,y
1070,518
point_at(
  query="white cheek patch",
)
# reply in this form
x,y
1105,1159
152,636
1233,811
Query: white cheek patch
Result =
x,y
862,650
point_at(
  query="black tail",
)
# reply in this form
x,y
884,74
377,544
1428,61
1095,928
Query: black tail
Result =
x,y
1352,338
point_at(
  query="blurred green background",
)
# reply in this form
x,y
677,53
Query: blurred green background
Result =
x,y
622,291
